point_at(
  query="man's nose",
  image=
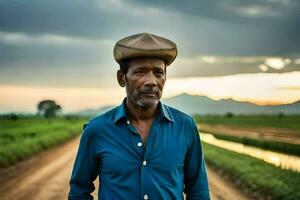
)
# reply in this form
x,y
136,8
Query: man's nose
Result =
x,y
150,79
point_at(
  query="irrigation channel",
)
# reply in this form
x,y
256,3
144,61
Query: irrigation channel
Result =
x,y
281,160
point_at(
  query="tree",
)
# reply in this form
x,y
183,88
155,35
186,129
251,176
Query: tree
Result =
x,y
229,115
48,108
14,116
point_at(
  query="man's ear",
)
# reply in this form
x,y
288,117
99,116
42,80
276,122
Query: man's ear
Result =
x,y
121,78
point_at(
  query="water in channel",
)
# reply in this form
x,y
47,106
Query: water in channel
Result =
x,y
278,159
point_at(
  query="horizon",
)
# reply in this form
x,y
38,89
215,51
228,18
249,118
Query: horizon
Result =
x,y
33,112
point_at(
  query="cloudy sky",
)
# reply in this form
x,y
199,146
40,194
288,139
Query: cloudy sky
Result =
x,y
244,50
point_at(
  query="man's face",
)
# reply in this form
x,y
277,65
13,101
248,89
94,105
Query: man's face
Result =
x,y
144,81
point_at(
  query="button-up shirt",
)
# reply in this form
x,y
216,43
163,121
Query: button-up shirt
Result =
x,y
171,163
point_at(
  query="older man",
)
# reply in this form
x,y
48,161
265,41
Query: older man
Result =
x,y
141,149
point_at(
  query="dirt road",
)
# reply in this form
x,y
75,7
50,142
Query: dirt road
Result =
x,y
46,176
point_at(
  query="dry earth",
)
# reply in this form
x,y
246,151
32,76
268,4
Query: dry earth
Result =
x,y
46,175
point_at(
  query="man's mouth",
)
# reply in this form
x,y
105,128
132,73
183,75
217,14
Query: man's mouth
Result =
x,y
150,94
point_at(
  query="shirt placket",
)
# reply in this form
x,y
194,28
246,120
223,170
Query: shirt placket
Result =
x,y
145,154
136,139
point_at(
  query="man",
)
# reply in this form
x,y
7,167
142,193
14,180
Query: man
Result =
x,y
141,149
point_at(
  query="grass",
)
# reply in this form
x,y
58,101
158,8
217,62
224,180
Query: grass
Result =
x,y
24,137
259,178
281,147
274,121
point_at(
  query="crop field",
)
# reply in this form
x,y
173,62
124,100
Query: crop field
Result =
x,y
276,121
258,178
24,137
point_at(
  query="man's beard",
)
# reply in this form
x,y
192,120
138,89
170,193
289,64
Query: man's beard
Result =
x,y
147,97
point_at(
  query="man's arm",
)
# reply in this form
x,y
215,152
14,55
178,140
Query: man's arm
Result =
x,y
195,177
85,168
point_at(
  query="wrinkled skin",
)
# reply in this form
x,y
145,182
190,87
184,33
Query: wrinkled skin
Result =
x,y
144,81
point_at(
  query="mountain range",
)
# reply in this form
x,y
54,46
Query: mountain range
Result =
x,y
194,104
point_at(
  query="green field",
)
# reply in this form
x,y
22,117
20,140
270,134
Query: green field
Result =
x,y
257,177
24,137
286,122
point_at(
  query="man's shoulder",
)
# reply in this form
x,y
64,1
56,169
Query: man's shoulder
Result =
x,y
183,122
178,115
103,118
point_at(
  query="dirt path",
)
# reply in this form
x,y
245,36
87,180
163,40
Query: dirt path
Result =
x,y
221,189
277,134
46,176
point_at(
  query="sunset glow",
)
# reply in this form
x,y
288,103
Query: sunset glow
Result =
x,y
256,88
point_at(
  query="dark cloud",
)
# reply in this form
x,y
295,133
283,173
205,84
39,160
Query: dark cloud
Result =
x,y
66,17
55,61
42,54
87,31
261,27
254,27
219,66
251,11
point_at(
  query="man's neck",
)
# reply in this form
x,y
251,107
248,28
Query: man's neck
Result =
x,y
138,113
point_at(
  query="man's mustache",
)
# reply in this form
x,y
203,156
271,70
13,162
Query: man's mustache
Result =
x,y
147,90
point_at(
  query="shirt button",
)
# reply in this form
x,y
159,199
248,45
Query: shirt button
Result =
x,y
145,196
144,162
140,144
128,122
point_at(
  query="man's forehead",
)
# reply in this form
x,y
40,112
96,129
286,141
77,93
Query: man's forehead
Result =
x,y
146,63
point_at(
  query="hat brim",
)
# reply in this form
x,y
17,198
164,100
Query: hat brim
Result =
x,y
124,52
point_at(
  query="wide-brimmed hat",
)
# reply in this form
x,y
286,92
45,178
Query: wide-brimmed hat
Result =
x,y
145,45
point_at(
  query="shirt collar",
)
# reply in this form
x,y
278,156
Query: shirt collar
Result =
x,y
163,112
121,111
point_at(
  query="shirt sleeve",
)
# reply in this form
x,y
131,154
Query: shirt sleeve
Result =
x,y
195,177
85,168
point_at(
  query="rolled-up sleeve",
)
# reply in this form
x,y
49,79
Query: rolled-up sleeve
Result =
x,y
195,177
85,168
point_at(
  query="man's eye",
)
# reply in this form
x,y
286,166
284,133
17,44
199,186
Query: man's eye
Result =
x,y
160,73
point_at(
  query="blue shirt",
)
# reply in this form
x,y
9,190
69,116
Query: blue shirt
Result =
x,y
171,163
